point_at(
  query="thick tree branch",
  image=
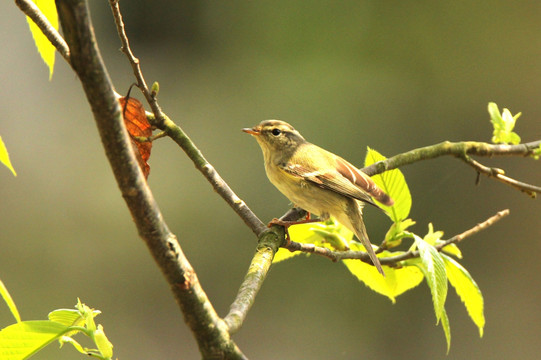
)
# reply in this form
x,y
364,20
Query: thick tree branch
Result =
x,y
210,331
269,242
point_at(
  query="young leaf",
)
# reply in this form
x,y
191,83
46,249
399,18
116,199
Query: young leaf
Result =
x,y
328,234
9,301
503,125
397,232
45,48
23,339
4,157
432,265
536,153
69,340
432,237
467,290
104,345
395,282
68,317
446,328
394,184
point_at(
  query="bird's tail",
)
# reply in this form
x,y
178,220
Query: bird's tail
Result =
x,y
356,219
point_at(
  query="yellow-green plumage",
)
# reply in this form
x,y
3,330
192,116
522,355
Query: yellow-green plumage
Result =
x,y
317,180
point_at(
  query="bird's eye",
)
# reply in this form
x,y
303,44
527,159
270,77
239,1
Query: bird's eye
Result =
x,y
276,132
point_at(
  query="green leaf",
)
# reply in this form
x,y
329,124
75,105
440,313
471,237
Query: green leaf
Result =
x,y
452,249
9,301
68,317
432,237
446,328
23,339
536,153
397,232
431,263
4,157
503,125
394,184
467,290
330,234
396,281
87,314
45,48
69,340
104,345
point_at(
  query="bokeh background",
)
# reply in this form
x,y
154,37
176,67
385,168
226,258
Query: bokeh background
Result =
x,y
393,76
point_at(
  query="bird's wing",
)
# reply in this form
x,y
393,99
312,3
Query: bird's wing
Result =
x,y
339,176
331,180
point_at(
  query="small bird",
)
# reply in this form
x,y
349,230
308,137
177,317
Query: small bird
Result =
x,y
317,180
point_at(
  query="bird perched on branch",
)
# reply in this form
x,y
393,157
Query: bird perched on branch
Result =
x,y
317,180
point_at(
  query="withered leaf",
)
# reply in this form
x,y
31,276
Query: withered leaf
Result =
x,y
137,126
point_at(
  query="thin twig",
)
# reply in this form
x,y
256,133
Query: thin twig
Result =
x,y
179,136
34,13
392,261
474,230
134,62
498,174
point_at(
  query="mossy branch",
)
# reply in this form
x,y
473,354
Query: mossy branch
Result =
x,y
463,151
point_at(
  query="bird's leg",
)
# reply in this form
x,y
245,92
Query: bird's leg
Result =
x,y
287,224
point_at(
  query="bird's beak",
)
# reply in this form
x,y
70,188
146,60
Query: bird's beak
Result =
x,y
252,131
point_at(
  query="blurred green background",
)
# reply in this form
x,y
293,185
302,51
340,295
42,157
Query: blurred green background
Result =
x,y
389,75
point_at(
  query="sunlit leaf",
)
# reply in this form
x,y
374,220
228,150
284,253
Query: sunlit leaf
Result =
x,y
104,345
433,267
45,48
9,301
21,340
69,340
395,282
452,249
503,125
394,184
467,290
66,317
536,153
432,237
446,328
397,232
328,234
4,157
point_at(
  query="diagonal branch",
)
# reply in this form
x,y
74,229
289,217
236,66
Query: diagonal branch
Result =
x,y
269,242
210,331
163,122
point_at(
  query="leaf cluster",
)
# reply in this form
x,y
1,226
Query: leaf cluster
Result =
x,y
25,338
